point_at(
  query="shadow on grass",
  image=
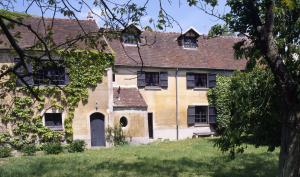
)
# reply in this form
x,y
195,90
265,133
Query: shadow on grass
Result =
x,y
246,165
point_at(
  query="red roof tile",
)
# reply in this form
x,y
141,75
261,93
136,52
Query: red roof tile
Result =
x,y
128,97
165,51
63,29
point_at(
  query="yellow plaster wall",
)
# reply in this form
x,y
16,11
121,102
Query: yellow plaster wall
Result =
x,y
162,102
136,126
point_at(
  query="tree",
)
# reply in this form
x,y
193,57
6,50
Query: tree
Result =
x,y
272,38
248,110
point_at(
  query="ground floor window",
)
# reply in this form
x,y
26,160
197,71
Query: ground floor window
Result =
x,y
201,115
53,121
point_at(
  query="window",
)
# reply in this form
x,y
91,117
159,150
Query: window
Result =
x,y
201,115
198,80
190,42
129,39
53,121
123,121
157,79
152,78
48,74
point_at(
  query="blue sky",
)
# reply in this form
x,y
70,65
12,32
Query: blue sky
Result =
x,y
185,15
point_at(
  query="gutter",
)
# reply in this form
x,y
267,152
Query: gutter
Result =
x,y
176,80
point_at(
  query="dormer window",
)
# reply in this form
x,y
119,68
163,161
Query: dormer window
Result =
x,y
189,39
131,35
129,39
190,42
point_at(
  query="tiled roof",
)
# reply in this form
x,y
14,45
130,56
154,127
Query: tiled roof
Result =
x,y
63,29
128,97
164,51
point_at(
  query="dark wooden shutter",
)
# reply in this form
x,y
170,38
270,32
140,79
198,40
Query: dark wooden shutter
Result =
x,y
212,115
22,72
141,79
163,79
212,80
67,78
190,80
191,115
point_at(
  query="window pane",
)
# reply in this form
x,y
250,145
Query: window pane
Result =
x,y
53,120
201,80
49,75
129,39
152,79
201,114
190,42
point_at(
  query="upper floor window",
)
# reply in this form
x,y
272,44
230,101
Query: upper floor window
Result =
x,y
200,80
49,74
152,78
148,79
190,42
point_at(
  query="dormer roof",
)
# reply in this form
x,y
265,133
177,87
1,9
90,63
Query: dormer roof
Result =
x,y
133,29
191,30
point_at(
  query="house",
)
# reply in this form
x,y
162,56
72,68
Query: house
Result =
x,y
157,88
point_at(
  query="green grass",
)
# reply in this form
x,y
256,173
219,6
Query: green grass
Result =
x,y
194,157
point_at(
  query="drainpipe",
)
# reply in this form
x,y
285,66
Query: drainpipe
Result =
x,y
176,80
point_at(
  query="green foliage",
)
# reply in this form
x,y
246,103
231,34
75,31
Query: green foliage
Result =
x,y
52,148
29,149
248,110
218,30
115,135
76,146
5,151
85,69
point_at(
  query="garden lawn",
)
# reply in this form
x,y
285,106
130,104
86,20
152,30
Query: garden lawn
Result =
x,y
193,157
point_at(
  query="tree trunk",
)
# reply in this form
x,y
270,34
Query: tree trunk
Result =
x,y
289,159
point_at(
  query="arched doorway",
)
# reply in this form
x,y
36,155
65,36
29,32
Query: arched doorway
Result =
x,y
97,129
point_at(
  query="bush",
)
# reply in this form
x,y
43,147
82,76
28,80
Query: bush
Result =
x,y
29,149
115,135
5,151
76,146
52,148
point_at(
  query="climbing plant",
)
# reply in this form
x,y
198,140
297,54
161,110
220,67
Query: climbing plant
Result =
x,y
21,113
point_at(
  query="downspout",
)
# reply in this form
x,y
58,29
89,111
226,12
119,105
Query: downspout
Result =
x,y
176,81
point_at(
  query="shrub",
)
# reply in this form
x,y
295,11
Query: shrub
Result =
x,y
29,149
76,146
52,148
5,151
115,135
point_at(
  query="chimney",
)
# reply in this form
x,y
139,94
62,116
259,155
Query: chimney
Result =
x,y
90,16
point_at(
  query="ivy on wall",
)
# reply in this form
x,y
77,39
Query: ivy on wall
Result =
x,y
21,114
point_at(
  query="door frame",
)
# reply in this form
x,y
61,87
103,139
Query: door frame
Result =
x,y
90,130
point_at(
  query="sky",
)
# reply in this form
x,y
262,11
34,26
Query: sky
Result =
x,y
179,10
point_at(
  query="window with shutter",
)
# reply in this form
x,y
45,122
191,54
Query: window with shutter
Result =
x,y
190,80
212,115
141,79
212,80
163,79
